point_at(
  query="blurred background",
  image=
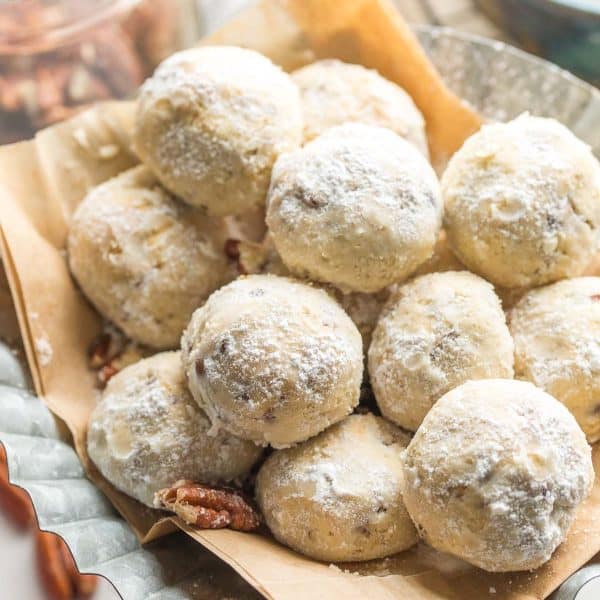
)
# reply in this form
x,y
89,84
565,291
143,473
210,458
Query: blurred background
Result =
x,y
59,56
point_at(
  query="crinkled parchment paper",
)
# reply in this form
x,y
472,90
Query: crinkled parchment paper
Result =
x,y
44,179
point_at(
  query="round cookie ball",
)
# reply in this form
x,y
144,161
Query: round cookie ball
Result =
x,y
522,203
145,260
210,123
358,207
436,332
495,474
556,330
273,360
147,432
333,93
338,496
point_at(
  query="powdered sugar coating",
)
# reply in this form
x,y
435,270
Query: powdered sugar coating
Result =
x,y
358,207
210,123
436,332
145,260
147,432
363,309
338,496
333,93
495,474
273,360
522,202
557,346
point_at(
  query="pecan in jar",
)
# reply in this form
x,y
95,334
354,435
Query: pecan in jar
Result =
x,y
58,59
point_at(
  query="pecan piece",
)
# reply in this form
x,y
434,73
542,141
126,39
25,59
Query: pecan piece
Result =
x,y
208,507
11,96
251,258
132,353
104,348
232,248
237,252
106,373
50,85
110,352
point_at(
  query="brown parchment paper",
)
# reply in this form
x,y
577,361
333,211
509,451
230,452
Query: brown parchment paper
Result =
x,y
41,181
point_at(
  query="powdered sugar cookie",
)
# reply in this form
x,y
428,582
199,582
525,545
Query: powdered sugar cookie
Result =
x,y
436,332
522,203
338,496
145,260
556,330
147,432
273,360
495,474
210,123
333,93
357,207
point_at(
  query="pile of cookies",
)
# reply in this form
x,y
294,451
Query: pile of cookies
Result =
x,y
360,376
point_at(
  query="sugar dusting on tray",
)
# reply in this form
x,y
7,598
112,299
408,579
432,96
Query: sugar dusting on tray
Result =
x,y
44,351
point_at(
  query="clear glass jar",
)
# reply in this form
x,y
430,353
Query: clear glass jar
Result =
x,y
58,57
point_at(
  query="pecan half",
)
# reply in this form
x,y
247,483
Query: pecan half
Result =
x,y
208,507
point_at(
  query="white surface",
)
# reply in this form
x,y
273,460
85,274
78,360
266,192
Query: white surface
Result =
x,y
18,568
590,590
